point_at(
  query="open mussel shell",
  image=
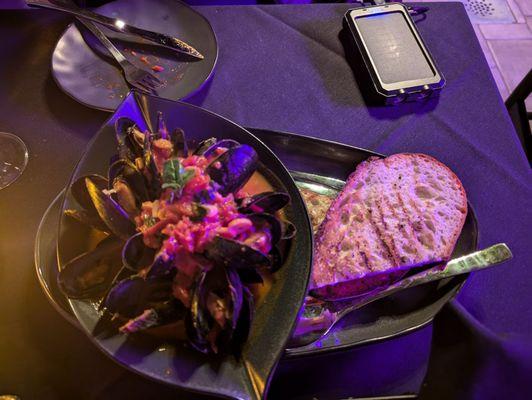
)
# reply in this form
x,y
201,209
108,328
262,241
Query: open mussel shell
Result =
x,y
87,218
136,255
232,169
90,274
269,222
125,171
266,202
277,259
243,258
151,171
243,325
111,213
224,143
131,296
162,130
129,138
204,145
162,266
288,230
217,289
81,194
179,142
161,313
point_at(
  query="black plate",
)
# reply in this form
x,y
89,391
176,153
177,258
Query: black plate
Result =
x,y
87,72
174,363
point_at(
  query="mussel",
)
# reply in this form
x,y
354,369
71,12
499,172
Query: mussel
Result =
x,y
224,143
130,296
87,218
179,142
136,256
233,168
215,310
90,274
128,185
129,139
266,202
111,213
204,145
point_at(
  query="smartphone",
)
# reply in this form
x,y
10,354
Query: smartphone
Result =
x,y
398,62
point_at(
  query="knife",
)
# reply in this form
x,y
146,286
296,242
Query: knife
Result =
x,y
318,317
120,26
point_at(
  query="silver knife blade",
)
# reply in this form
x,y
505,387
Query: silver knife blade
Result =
x,y
318,318
120,26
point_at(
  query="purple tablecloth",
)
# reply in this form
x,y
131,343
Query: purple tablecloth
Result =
x,y
283,68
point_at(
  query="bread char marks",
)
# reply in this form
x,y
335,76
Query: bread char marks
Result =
x,y
404,210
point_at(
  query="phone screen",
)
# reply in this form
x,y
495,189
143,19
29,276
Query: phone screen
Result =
x,y
396,53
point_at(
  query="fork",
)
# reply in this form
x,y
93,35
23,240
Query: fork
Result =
x,y
134,76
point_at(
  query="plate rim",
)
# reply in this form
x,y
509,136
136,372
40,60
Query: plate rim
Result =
x,y
111,110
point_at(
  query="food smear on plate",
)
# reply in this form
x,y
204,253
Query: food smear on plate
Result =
x,y
198,236
394,214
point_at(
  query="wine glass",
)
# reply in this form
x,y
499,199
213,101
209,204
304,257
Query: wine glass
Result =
x,y
13,158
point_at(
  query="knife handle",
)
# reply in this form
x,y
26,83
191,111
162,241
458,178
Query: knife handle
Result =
x,y
74,10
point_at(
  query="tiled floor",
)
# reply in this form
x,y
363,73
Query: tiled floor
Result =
x,y
504,30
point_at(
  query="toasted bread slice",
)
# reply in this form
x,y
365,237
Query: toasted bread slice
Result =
x,y
394,213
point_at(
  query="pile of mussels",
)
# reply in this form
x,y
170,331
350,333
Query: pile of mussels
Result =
x,y
135,282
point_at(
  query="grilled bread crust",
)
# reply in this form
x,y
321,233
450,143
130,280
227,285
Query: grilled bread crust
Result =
x,y
394,213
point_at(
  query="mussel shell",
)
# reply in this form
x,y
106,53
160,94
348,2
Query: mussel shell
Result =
x,y
204,145
162,313
89,219
131,296
277,259
225,143
289,230
79,191
237,255
226,284
128,172
268,202
162,266
128,145
154,178
179,142
243,325
162,130
136,255
90,274
232,169
110,211
269,221
246,260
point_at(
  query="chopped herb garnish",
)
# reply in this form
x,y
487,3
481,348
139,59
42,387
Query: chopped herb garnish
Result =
x,y
175,176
